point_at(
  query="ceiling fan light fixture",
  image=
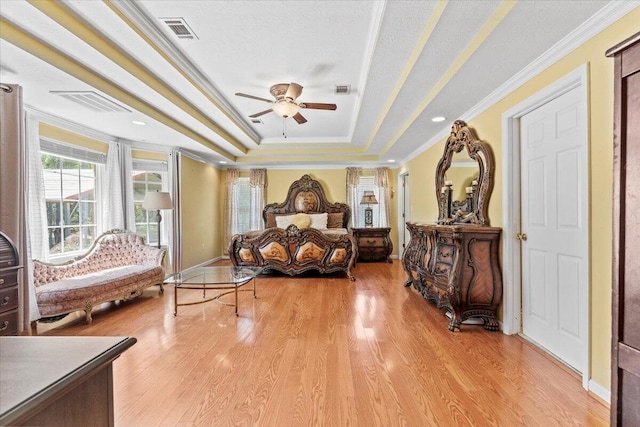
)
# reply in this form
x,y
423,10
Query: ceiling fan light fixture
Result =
x,y
285,108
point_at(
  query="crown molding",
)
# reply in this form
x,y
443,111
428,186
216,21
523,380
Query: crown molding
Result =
x,y
602,19
136,13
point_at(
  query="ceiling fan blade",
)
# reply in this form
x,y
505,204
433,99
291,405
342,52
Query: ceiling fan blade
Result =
x,y
253,116
293,91
270,101
318,106
299,118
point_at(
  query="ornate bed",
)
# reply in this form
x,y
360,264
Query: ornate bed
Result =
x,y
287,246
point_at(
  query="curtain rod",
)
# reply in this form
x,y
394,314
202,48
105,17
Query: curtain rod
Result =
x,y
6,88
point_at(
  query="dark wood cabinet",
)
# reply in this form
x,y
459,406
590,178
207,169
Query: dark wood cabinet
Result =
x,y
9,267
625,355
374,244
457,266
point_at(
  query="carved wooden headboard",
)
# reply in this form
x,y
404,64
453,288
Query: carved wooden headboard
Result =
x,y
307,195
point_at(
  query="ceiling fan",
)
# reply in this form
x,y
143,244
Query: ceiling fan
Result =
x,y
285,104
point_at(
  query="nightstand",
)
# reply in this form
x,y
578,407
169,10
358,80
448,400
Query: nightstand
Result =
x,y
374,244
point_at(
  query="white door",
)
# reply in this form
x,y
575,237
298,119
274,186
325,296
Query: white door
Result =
x,y
554,218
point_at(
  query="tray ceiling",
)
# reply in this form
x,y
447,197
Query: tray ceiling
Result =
x,y
405,62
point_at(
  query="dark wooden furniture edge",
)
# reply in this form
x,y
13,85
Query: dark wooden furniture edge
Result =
x,y
18,413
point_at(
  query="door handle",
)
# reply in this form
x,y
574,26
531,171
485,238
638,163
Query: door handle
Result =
x,y
522,237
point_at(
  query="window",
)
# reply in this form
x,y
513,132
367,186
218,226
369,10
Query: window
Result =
x,y
70,194
242,222
148,175
367,183
146,223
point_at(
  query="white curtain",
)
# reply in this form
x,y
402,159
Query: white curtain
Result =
x,y
127,181
112,197
353,178
258,184
172,218
37,234
230,203
381,179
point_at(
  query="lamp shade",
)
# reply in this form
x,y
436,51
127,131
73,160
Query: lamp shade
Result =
x,y
285,108
369,198
157,200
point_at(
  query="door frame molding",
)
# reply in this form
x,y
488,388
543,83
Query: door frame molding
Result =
x,y
401,205
511,253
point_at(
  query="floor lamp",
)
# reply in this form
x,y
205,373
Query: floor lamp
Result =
x,y
156,200
368,198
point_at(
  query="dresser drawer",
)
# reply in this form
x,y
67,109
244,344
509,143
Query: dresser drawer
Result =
x,y
9,322
8,278
371,242
442,269
445,254
8,298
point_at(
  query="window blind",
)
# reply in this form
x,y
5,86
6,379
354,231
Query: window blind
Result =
x,y
72,152
149,165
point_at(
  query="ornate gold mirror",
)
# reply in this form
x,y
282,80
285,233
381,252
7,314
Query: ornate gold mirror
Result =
x,y
464,178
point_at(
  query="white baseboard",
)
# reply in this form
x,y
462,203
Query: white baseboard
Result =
x,y
600,391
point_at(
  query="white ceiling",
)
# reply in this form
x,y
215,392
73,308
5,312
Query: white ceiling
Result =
x,y
406,62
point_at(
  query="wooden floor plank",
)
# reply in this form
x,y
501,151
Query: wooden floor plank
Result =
x,y
322,350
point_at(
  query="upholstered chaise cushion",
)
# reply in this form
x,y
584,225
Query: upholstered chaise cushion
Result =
x,y
113,283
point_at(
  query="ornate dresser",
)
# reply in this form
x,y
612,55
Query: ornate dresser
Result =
x,y
9,267
455,262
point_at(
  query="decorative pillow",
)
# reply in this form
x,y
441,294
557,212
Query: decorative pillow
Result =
x,y
334,220
319,220
283,221
301,220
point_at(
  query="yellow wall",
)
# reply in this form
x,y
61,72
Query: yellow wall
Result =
x,y
200,187
488,126
149,155
64,135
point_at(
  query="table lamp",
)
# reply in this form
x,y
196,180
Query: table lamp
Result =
x,y
157,200
368,198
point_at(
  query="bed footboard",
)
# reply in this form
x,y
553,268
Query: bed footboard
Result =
x,y
294,251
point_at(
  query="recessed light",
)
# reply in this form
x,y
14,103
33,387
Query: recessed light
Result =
x,y
438,119
224,162
138,122
391,161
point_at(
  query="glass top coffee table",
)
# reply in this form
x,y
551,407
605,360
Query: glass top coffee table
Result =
x,y
226,279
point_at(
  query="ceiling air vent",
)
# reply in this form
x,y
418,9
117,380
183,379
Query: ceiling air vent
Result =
x,y
180,28
343,89
257,121
92,100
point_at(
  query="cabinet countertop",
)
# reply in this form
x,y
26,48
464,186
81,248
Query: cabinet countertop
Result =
x,y
34,369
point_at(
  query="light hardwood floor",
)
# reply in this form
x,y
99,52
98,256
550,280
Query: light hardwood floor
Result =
x,y
324,351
